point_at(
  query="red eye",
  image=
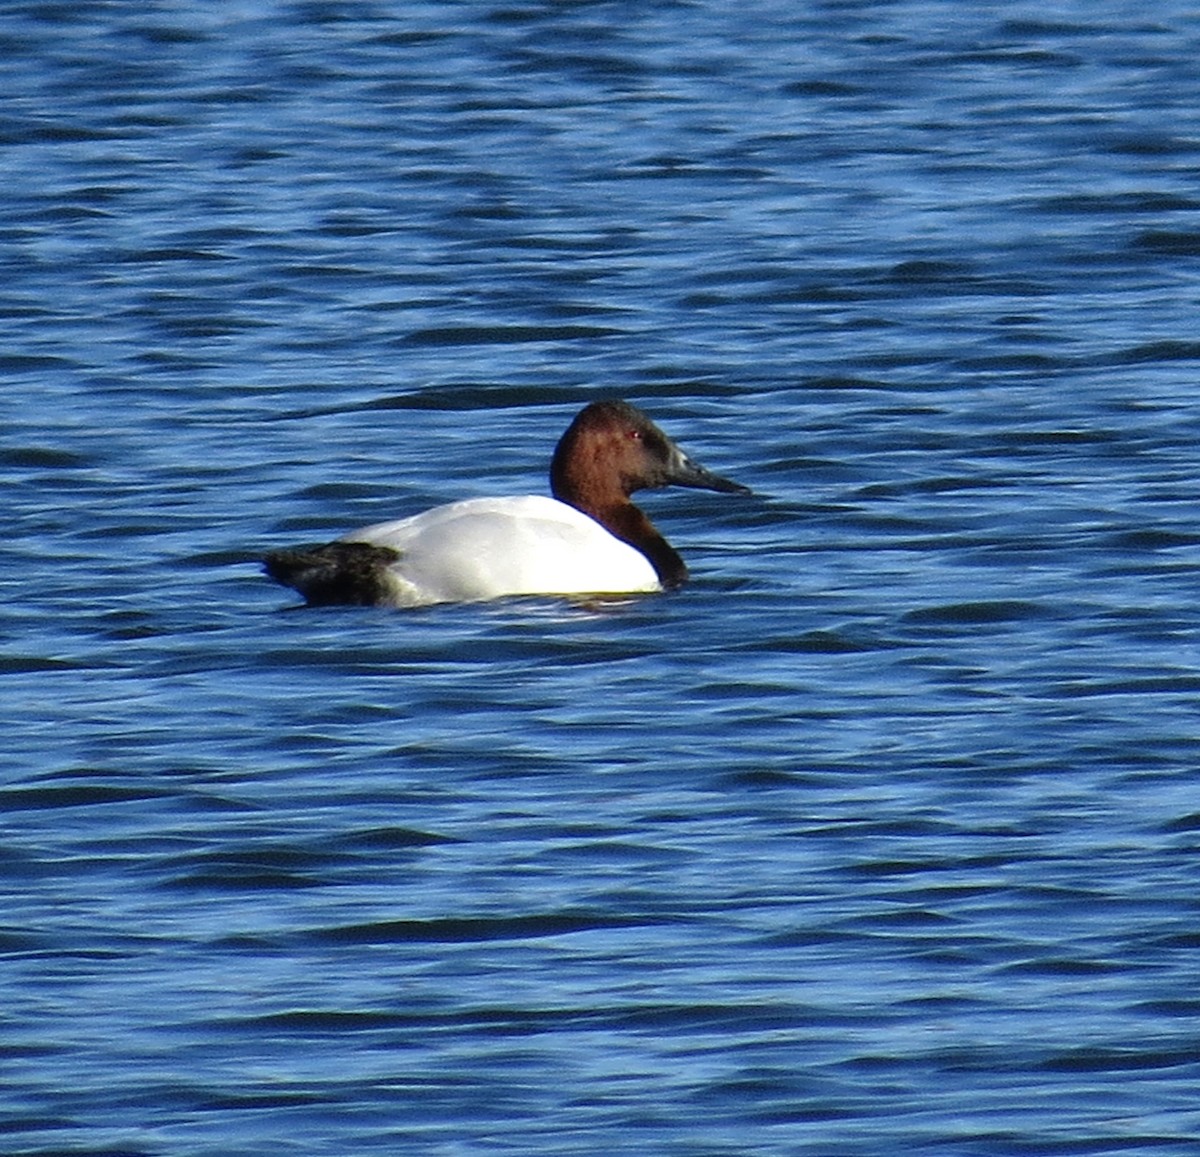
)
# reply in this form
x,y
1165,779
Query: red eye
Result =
x,y
635,435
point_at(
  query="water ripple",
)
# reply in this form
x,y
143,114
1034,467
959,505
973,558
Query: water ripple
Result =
x,y
876,837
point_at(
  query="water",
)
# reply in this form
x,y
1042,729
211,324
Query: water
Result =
x,y
879,837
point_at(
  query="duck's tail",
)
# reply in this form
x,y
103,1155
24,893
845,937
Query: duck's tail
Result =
x,y
346,573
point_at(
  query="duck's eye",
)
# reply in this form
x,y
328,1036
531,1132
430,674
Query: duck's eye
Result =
x,y
634,435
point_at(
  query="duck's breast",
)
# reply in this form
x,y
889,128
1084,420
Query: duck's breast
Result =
x,y
485,548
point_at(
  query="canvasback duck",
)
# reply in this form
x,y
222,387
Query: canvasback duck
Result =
x,y
589,539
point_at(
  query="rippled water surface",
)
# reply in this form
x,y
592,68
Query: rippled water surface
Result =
x,y
880,837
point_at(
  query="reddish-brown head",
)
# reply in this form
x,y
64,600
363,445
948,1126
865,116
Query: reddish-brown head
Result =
x,y
612,449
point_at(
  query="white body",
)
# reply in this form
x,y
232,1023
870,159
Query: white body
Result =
x,y
484,548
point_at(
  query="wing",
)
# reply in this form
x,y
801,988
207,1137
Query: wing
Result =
x,y
488,547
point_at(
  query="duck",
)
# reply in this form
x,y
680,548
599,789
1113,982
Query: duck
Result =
x,y
589,539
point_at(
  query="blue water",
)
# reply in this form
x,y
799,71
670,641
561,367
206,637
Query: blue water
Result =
x,y
880,837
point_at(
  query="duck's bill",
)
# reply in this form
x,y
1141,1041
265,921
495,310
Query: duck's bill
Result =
x,y
685,472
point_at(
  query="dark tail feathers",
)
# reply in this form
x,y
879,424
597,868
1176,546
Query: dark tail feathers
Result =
x,y
347,573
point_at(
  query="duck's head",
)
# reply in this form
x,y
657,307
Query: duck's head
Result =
x,y
612,449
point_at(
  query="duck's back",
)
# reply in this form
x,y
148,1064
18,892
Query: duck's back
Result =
x,y
485,548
